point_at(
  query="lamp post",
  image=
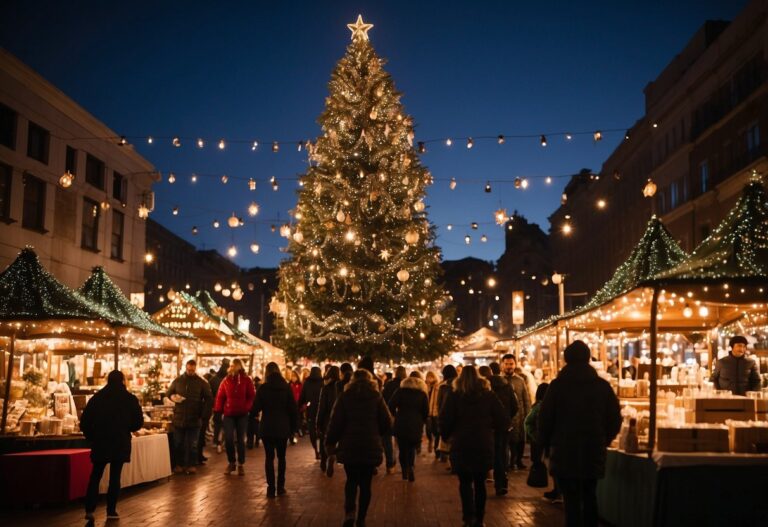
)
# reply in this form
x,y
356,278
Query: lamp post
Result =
x,y
559,280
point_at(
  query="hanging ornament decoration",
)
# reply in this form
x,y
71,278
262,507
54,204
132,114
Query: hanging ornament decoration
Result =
x,y
360,29
226,292
411,237
298,237
419,206
255,248
232,251
171,178
355,288
452,184
340,216
300,288
649,190
437,319
217,287
66,179
251,184
343,272
403,275
253,209
233,221
385,255
321,281
501,216
237,294
285,230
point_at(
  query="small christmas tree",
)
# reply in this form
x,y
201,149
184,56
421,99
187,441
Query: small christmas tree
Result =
x,y
153,388
364,275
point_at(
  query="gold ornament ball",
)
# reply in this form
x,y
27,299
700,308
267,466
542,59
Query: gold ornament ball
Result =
x,y
355,288
340,216
412,237
382,328
437,318
321,280
298,237
403,275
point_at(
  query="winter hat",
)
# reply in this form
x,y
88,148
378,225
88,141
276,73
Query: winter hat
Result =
x,y
577,353
366,363
738,339
116,377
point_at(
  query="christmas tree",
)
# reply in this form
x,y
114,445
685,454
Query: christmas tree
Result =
x,y
363,277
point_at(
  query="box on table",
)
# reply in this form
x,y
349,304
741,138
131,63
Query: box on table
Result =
x,y
748,436
693,439
761,409
719,410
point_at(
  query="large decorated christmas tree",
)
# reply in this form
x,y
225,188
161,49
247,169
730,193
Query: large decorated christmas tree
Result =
x,y
363,275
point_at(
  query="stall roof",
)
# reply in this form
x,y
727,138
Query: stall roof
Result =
x,y
736,253
213,310
101,290
481,340
28,292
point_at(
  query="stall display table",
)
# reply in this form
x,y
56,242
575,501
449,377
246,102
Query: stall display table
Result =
x,y
673,489
150,461
45,476
10,444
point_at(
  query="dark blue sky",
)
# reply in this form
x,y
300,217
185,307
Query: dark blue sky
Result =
x,y
241,70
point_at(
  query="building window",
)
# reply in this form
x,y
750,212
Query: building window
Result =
x,y
70,164
7,127
118,225
94,171
33,216
6,175
753,137
704,176
38,139
118,187
91,212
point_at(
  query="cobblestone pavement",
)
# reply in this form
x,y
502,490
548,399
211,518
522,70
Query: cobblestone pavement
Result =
x,y
210,498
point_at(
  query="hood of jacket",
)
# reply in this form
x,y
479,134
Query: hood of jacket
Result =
x,y
414,383
362,390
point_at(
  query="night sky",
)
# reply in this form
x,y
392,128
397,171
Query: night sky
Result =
x,y
259,71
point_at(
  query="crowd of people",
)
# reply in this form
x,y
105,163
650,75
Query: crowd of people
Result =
x,y
476,420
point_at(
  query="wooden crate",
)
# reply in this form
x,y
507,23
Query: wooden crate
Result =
x,y
690,439
719,410
748,437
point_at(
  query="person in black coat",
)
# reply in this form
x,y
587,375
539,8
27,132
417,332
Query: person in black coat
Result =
x,y
328,395
310,397
579,417
736,372
107,422
252,436
387,392
410,406
444,389
215,382
359,420
508,399
279,421
469,419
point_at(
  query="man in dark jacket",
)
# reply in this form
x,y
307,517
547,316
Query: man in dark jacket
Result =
x,y
387,392
520,386
736,372
508,399
310,398
217,417
579,417
193,400
107,422
279,421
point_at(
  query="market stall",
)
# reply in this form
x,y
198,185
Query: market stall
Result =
x,y
477,348
539,346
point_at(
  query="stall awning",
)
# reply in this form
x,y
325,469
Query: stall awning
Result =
x,y
481,340
209,305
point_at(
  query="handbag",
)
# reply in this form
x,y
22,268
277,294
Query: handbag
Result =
x,y
537,476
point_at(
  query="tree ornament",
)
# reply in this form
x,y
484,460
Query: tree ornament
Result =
x,y
384,255
382,328
359,29
355,288
321,280
403,275
233,221
340,216
419,206
298,237
410,322
373,115
300,288
412,237
437,318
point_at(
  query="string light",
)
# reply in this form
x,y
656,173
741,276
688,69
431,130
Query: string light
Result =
x,y
470,142
195,230
171,178
216,224
66,179
448,142
224,179
222,144
488,187
251,184
452,184
175,211
194,178
232,251
150,140
253,209
275,147
255,248
200,143
500,139
600,204
543,140
254,146
597,136
176,142
483,238
467,239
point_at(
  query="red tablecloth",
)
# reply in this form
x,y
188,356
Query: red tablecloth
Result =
x,y
45,476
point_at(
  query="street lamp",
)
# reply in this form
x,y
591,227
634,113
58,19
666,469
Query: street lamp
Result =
x,y
559,280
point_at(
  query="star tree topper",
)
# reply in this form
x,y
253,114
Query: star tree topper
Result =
x,y
359,29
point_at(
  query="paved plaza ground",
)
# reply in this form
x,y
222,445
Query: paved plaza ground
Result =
x,y
210,499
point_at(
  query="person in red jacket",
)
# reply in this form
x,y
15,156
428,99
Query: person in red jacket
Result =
x,y
234,400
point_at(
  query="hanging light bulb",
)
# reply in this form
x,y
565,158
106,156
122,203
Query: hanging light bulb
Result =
x,y
448,142
601,204
275,147
548,180
253,209
237,294
251,184
597,136
488,187
501,216
176,142
483,238
222,144
254,146
194,178
195,230
567,228
216,224
150,140
224,179
467,239
474,225
149,258
226,293
687,311
200,142
171,178
470,143
175,211
500,139
233,221
217,287
232,251
543,140
66,179
568,137
703,311
649,190
524,183
273,181
255,248
452,184
449,227
422,148
518,182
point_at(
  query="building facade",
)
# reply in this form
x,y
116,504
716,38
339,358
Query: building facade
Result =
x,y
702,135
473,287
68,186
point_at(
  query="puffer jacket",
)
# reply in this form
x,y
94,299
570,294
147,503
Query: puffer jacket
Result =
x,y
738,374
197,402
235,397
410,406
279,414
470,421
359,419
578,419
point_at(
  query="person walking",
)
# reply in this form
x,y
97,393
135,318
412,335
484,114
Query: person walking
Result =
x,y
387,392
279,421
310,399
410,407
469,419
359,420
252,437
578,419
508,400
443,391
107,422
328,395
735,371
234,401
217,417
433,436
537,452
295,385
192,398
517,434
